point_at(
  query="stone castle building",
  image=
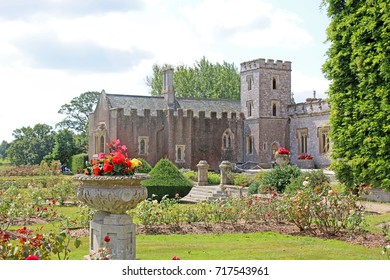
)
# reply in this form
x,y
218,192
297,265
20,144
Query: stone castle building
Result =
x,y
187,130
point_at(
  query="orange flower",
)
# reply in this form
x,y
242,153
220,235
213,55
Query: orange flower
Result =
x,y
96,171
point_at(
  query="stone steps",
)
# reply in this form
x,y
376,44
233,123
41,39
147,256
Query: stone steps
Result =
x,y
201,193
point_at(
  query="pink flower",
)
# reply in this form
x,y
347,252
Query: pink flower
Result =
x,y
32,257
175,258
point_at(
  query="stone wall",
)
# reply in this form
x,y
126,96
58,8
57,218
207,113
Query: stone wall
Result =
x,y
198,137
311,115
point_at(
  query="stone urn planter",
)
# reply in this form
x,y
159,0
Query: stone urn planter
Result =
x,y
112,196
282,159
305,163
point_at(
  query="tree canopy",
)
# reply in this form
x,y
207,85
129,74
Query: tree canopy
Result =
x,y
31,144
65,146
3,148
77,112
203,80
358,65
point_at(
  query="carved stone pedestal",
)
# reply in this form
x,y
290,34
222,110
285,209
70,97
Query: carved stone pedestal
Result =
x,y
120,229
112,196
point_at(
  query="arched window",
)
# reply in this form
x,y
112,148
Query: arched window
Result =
x,y
227,139
249,145
324,141
274,110
179,157
142,147
273,83
102,142
180,153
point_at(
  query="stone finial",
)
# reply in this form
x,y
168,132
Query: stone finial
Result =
x,y
203,168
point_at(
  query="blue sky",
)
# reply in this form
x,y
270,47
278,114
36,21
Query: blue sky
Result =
x,y
53,50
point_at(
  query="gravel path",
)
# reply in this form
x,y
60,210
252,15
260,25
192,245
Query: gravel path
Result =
x,y
376,207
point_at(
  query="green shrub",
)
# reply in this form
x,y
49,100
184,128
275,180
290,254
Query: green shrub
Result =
x,y
77,163
279,177
255,184
191,175
166,180
313,179
145,167
213,178
240,179
276,179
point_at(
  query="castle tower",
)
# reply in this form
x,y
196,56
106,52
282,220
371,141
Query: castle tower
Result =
x,y
265,96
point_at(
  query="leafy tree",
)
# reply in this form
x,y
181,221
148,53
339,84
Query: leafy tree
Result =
x,y
203,80
77,112
358,65
3,148
65,146
31,145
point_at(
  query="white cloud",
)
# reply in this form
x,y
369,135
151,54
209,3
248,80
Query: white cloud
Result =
x,y
303,85
250,24
77,43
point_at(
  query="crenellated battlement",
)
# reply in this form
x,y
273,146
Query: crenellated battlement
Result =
x,y
179,113
263,63
311,106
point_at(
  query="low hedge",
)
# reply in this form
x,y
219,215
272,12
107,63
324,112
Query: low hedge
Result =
x,y
77,163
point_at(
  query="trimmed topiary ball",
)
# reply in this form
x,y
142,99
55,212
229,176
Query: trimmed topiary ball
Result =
x,y
166,179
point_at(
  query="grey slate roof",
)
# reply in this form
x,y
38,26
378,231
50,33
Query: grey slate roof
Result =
x,y
154,103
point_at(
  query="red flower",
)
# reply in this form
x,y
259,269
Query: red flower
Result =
x,y
118,159
107,239
175,258
107,167
283,151
268,215
45,209
32,257
96,171
53,201
5,236
128,163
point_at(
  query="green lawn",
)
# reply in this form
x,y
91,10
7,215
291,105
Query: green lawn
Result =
x,y
266,245
253,246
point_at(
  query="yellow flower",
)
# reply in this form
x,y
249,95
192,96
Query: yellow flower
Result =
x,y
135,163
